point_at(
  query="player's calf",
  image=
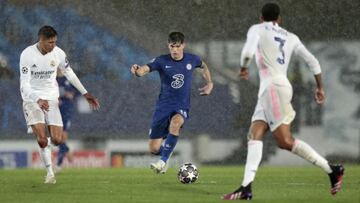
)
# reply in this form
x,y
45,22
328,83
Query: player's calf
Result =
x,y
56,141
156,151
42,141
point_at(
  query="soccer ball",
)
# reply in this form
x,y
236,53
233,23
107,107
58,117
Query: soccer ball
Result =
x,y
188,173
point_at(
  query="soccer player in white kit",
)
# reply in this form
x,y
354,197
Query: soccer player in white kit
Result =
x,y
273,47
39,64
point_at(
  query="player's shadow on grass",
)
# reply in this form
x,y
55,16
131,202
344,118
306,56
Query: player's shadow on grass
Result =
x,y
196,188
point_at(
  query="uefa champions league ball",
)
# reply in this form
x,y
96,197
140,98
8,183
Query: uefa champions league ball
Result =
x,y
188,173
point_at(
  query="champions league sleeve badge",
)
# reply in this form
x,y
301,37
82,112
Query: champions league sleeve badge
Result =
x,y
24,70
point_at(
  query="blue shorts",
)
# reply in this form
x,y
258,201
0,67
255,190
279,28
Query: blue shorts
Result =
x,y
66,123
161,122
66,115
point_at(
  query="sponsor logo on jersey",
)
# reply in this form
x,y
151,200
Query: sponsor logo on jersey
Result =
x,y
52,63
34,66
189,66
178,81
42,74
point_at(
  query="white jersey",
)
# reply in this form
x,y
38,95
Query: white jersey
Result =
x,y
38,74
273,47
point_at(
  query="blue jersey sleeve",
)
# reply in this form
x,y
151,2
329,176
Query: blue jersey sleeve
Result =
x,y
198,62
154,64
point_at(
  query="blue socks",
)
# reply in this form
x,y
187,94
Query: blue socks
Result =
x,y
168,147
63,149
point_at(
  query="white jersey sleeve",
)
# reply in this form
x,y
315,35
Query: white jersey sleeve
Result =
x,y
25,77
248,51
67,71
310,59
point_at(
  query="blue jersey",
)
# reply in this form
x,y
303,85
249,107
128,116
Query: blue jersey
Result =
x,y
176,77
66,104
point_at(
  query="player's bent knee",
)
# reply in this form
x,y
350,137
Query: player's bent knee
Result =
x,y
175,127
177,121
43,142
176,124
56,140
174,131
286,144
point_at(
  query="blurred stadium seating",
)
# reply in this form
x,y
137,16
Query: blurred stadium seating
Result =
x,y
78,36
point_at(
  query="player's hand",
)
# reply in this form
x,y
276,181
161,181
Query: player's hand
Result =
x,y
320,95
134,68
93,101
206,90
44,104
244,73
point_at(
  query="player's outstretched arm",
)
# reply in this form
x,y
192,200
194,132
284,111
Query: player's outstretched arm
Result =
x,y
74,80
93,101
315,68
139,71
206,90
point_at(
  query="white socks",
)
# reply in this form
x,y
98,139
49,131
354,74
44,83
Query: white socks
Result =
x,y
50,143
45,155
305,151
300,148
253,159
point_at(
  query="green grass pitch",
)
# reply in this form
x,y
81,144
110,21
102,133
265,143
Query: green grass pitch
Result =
x,y
273,184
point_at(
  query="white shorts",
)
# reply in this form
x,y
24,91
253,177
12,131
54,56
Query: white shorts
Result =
x,y
34,114
274,106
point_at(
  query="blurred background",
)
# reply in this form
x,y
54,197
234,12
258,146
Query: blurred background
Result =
x,y
104,38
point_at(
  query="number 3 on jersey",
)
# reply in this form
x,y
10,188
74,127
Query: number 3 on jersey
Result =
x,y
281,48
178,81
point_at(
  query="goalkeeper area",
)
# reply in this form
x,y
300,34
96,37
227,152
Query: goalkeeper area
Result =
x,y
273,184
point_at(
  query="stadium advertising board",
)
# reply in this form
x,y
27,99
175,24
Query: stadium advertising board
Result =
x,y
138,159
79,159
13,159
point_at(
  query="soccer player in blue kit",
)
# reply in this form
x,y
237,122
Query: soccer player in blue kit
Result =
x,y
68,94
173,105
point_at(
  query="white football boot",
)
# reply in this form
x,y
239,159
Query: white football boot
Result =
x,y
166,167
50,179
158,166
163,171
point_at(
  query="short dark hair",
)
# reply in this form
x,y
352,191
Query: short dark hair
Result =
x,y
270,12
176,37
47,31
